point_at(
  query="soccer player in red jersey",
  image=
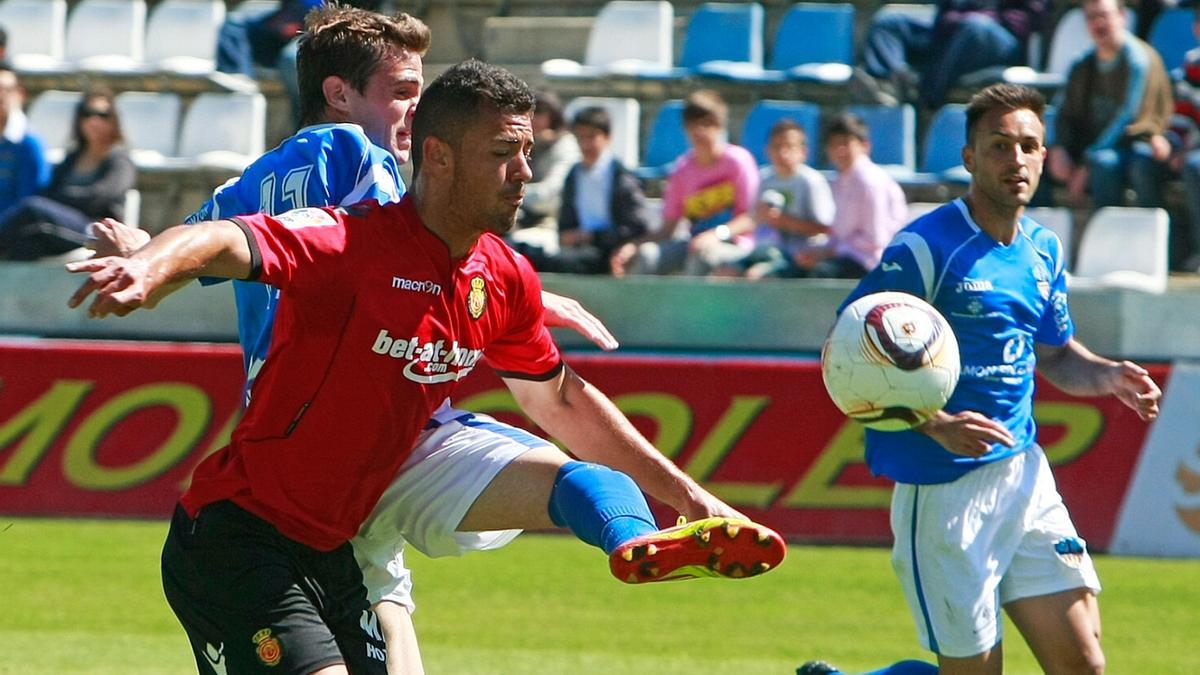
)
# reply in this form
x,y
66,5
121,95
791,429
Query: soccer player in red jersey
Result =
x,y
383,309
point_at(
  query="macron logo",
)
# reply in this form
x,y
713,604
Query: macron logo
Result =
x,y
416,286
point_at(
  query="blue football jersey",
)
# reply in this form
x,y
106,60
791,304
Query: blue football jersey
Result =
x,y
999,300
321,165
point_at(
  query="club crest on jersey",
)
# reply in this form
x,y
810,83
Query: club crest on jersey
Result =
x,y
269,650
1043,281
477,298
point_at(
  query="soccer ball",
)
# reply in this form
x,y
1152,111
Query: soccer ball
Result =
x,y
890,362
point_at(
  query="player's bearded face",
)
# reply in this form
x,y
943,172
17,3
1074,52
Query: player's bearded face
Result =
x,y
1006,156
493,168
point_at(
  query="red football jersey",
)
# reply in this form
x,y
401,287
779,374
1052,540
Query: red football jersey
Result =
x,y
376,324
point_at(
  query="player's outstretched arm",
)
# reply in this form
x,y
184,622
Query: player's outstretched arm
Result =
x,y
593,429
1077,371
564,312
121,285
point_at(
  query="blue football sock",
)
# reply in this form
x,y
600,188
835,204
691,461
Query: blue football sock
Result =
x,y
907,668
602,507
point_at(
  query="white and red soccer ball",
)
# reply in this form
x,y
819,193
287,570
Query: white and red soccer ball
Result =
x,y
891,361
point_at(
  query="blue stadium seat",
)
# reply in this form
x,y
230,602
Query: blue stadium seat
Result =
x,y
765,114
941,156
893,132
666,141
716,32
1172,35
814,43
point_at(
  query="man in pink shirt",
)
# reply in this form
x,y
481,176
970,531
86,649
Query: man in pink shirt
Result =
x,y
870,206
714,187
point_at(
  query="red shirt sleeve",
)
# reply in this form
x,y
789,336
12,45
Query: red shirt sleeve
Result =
x,y
300,247
527,351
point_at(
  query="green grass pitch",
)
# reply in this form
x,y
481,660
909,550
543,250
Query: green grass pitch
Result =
x,y
83,596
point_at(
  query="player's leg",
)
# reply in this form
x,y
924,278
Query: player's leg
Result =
x,y
953,543
240,592
1050,588
1062,629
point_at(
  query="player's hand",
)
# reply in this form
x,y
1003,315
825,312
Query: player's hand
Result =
x,y
563,312
118,283
966,433
111,237
1132,385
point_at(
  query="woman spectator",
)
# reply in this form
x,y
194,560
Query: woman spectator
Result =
x,y
89,184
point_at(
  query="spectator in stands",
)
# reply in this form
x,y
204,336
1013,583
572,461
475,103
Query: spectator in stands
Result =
x,y
794,203
3,44
1112,115
965,36
870,207
713,187
554,153
1184,135
246,44
23,166
89,184
602,204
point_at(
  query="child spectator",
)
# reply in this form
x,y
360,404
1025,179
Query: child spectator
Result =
x,y
23,166
89,184
870,206
794,203
713,187
602,202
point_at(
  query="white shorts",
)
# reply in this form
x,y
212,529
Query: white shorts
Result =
x,y
451,465
965,549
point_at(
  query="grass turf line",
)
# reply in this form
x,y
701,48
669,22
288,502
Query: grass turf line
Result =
x,y
83,596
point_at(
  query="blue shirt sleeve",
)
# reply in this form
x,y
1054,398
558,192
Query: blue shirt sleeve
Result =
x,y
901,269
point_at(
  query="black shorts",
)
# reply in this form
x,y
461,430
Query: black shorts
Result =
x,y
255,601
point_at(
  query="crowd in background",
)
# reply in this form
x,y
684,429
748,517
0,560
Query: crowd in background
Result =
x,y
1125,129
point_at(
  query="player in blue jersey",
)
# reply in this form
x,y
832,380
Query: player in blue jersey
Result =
x,y
978,521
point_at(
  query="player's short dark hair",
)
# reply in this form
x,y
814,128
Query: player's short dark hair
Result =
x,y
846,124
457,98
593,117
785,125
1006,97
705,106
350,43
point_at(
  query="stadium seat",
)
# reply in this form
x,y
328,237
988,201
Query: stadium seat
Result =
x,y
181,36
223,131
626,35
893,131
1172,35
665,142
1125,247
36,32
1058,220
50,116
941,156
107,35
814,43
626,115
150,121
247,9
764,115
717,32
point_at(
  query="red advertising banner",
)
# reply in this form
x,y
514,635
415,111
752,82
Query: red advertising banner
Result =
x,y
115,429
